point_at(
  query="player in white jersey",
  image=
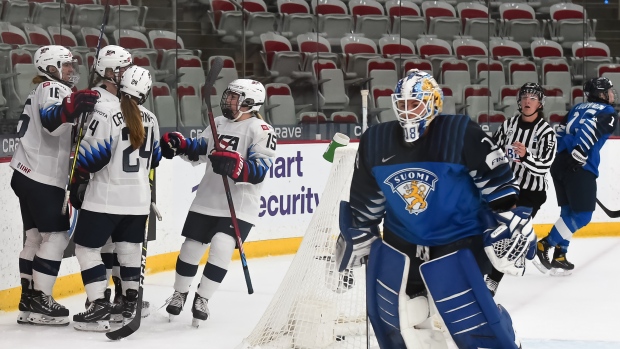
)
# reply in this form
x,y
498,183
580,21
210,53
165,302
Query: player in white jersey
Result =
x,y
110,65
41,164
249,146
119,149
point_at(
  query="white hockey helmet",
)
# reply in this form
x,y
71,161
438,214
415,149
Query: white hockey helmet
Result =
x,y
112,57
416,100
136,82
56,56
251,94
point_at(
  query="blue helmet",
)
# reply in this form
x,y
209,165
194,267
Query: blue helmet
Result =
x,y
416,100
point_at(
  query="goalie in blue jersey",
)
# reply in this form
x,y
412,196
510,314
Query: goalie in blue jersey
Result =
x,y
446,195
581,136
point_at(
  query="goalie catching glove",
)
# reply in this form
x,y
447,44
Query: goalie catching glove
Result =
x,y
508,245
353,245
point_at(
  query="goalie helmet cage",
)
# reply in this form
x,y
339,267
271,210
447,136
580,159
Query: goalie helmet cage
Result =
x,y
316,306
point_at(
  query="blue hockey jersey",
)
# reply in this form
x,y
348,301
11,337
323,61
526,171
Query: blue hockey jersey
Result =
x,y
436,191
587,125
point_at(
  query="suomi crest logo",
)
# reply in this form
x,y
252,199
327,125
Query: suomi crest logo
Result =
x,y
414,185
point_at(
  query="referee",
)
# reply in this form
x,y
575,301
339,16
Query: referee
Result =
x,y
530,144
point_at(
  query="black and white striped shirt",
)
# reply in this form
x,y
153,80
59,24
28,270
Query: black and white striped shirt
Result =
x,y
541,143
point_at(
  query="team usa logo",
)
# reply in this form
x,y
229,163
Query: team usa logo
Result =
x,y
413,185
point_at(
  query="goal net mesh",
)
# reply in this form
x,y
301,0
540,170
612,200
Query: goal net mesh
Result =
x,y
315,305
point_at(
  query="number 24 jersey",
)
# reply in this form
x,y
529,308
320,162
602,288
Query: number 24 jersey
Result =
x,y
119,173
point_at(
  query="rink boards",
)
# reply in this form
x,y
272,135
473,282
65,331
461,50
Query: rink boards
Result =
x,y
290,195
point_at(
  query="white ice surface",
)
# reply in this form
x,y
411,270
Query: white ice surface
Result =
x,y
577,311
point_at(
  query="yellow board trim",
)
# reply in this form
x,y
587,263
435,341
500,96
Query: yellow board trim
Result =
x,y
69,285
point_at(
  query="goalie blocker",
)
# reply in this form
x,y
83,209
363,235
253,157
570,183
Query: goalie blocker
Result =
x,y
464,303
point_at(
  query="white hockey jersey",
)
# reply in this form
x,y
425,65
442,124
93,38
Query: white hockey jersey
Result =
x,y
104,95
120,175
256,141
45,141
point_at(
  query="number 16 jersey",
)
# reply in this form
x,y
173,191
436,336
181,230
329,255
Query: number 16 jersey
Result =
x,y
119,173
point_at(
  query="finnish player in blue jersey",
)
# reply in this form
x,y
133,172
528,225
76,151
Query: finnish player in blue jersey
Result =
x,y
446,195
581,136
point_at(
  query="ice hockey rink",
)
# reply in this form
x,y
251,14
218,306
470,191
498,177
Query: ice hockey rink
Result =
x,y
577,311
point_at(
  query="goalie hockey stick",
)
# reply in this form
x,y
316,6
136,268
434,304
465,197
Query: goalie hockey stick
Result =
x,y
80,130
610,213
133,325
214,71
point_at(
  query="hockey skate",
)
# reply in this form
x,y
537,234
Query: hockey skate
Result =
x,y
118,302
45,311
200,310
175,304
542,253
130,300
106,294
96,318
24,303
560,266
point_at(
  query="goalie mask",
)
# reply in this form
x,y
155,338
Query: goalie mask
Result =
x,y
60,58
112,57
600,90
416,100
242,93
136,82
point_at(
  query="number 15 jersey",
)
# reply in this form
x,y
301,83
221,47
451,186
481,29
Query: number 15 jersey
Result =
x,y
119,173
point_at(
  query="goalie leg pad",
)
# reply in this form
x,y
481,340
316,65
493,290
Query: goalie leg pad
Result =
x,y
465,304
392,313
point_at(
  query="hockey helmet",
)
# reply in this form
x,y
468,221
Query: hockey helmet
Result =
x,y
598,90
112,57
251,95
416,100
136,82
56,56
531,89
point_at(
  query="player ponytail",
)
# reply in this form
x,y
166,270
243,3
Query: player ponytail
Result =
x,y
257,115
39,79
133,119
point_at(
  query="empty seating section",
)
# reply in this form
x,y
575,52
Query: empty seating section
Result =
x,y
314,56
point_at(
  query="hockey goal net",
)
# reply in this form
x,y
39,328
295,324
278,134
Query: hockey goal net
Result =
x,y
315,305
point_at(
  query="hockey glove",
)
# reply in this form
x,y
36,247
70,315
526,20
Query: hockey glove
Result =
x,y
229,163
172,144
82,101
353,245
79,182
508,245
578,159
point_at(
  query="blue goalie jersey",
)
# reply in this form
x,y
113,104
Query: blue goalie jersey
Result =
x,y
436,191
587,125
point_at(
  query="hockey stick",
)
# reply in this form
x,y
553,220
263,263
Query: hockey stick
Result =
x,y
133,325
214,71
610,213
80,130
